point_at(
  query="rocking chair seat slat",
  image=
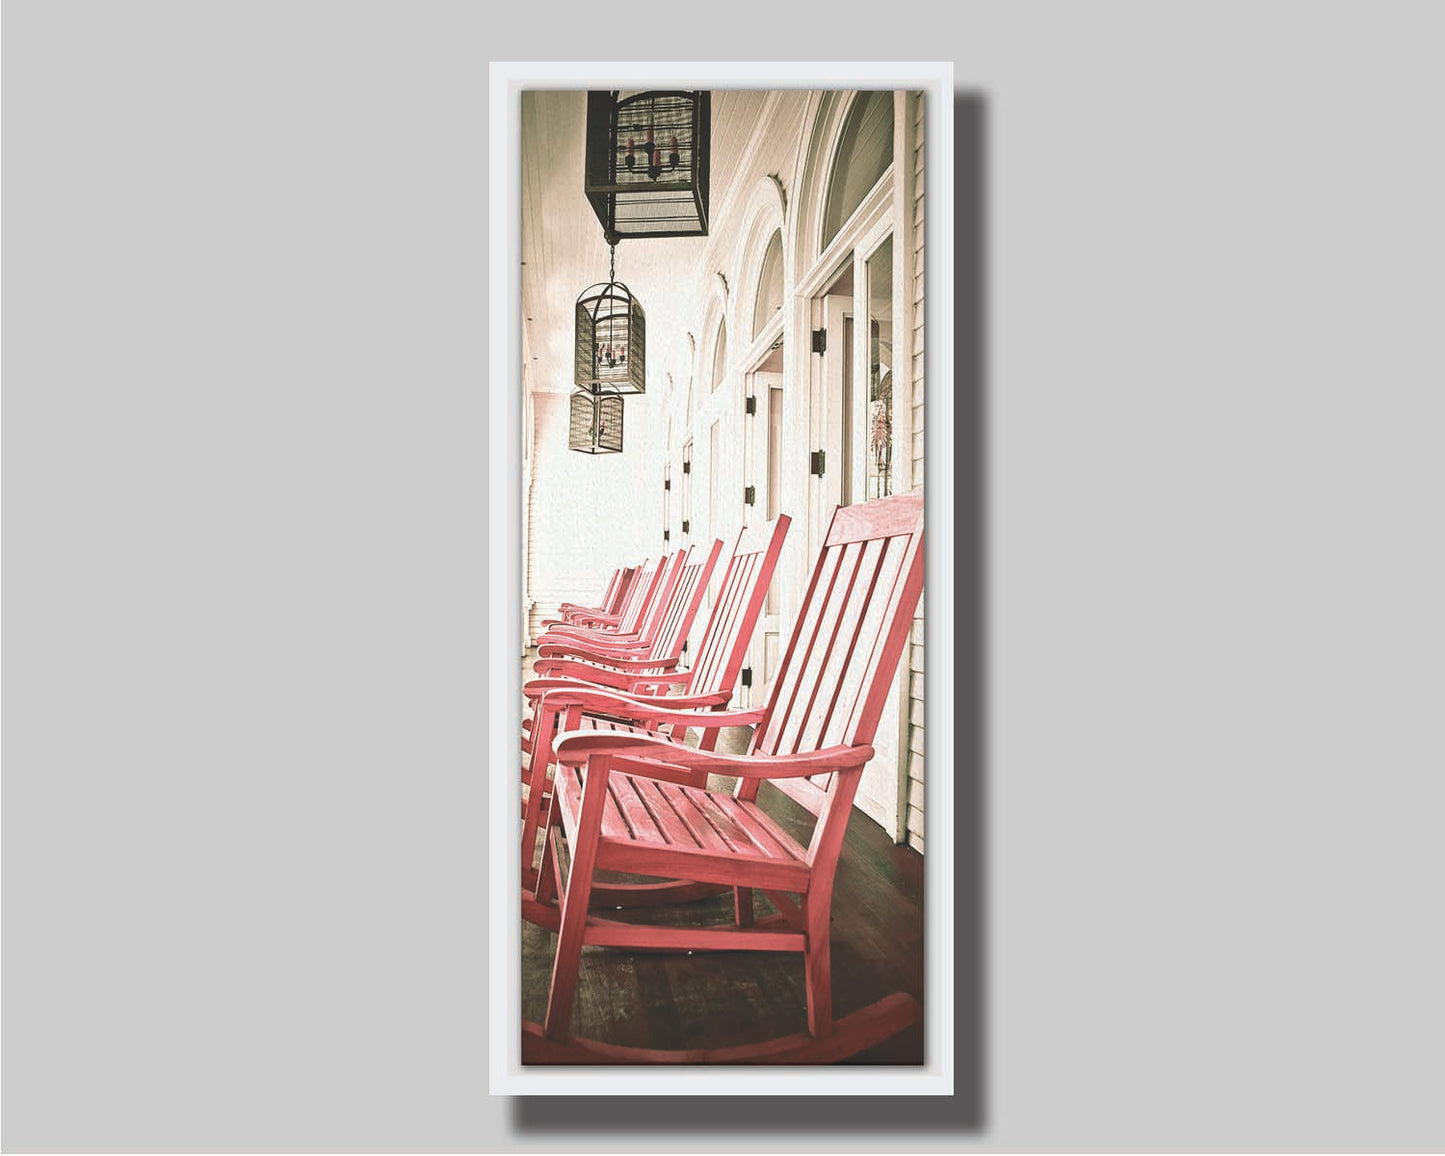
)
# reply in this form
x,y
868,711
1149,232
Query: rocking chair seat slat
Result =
x,y
770,838
667,823
718,838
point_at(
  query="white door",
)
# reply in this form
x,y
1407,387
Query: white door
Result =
x,y
765,469
839,408
828,412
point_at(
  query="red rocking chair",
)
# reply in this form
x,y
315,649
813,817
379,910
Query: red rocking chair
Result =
x,y
612,598
638,803
707,685
659,651
659,643
641,598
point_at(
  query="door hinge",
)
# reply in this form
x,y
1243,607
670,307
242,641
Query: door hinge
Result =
x,y
747,676
750,406
820,341
684,525
815,463
687,467
667,483
667,535
750,494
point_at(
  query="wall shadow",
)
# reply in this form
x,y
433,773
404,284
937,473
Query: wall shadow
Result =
x,y
965,1110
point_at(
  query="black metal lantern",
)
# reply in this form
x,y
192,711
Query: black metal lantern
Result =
x,y
647,163
595,425
611,339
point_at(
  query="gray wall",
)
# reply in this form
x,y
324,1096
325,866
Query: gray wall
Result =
x,y
243,507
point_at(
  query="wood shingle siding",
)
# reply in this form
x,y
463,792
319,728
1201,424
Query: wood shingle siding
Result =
x,y
914,755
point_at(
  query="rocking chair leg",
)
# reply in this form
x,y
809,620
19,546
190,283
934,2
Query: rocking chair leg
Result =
x,y
544,724
573,926
569,953
546,887
818,969
743,906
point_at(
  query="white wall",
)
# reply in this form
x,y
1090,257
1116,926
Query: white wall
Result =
x,y
590,513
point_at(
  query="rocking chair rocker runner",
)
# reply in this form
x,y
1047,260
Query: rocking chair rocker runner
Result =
x,y
635,802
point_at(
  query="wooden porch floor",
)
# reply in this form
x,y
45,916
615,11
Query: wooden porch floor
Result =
x,y
677,1000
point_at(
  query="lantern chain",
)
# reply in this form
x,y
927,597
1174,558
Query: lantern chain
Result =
x,y
612,263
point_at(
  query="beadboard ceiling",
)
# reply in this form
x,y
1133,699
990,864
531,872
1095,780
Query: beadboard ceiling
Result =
x,y
562,250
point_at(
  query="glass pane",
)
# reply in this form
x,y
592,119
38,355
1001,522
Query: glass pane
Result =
x,y
864,154
770,285
879,455
720,355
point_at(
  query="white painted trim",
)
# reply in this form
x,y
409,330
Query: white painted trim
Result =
x,y
718,211
760,346
861,225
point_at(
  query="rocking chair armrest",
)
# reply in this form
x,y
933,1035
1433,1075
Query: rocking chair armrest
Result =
x,y
537,687
578,608
639,754
601,658
625,683
557,641
547,625
568,630
594,618
663,711
571,619
600,630
593,673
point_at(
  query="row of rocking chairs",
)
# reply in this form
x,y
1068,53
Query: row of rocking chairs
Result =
x,y
620,743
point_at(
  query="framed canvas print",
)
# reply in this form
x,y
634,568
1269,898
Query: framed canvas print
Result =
x,y
719,377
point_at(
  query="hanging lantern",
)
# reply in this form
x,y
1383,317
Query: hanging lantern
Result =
x,y
611,338
647,163
595,425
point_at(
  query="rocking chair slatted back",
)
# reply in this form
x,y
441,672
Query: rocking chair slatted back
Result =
x,y
670,570
826,692
725,641
640,600
681,608
610,594
739,601
617,592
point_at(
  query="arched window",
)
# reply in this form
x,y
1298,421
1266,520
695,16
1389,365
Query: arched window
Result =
x,y
770,284
720,354
865,151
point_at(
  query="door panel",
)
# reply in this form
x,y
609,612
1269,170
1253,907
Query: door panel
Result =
x,y
839,412
763,450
